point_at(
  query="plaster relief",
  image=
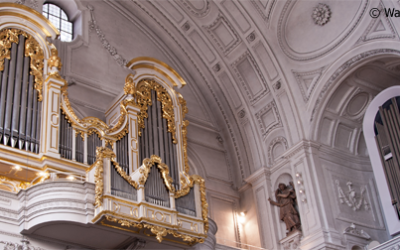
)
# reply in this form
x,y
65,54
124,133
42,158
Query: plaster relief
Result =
x,y
198,8
236,15
268,118
379,28
298,35
276,148
265,60
223,34
307,81
250,77
351,197
202,46
227,85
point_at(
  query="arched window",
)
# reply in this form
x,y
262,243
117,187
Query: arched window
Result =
x,y
60,19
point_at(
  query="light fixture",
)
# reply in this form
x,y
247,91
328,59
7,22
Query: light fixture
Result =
x,y
16,167
71,178
242,218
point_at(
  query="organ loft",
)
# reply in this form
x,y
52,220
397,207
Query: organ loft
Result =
x,y
134,167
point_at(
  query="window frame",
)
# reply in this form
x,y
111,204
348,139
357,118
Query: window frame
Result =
x,y
60,18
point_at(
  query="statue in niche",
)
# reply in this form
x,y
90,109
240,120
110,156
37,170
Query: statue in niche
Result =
x,y
286,200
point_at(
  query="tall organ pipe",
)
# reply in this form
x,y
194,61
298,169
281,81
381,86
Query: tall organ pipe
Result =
x,y
20,110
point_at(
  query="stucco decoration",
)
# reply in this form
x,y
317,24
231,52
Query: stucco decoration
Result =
x,y
30,3
276,149
112,50
298,35
321,14
352,198
307,81
198,8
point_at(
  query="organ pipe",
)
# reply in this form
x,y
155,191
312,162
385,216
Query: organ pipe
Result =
x,y
387,124
65,135
93,141
20,110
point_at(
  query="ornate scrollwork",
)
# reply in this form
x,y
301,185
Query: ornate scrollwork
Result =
x,y
161,232
7,37
143,92
67,110
145,170
187,183
101,153
124,223
129,88
35,52
54,60
32,49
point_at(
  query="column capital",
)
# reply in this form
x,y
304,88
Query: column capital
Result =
x,y
262,174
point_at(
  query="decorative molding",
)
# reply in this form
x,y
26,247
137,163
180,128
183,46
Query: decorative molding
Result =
x,y
30,3
216,97
265,15
197,12
281,140
379,28
253,98
265,129
242,113
216,67
303,77
251,37
353,231
346,66
353,199
11,234
315,54
186,26
321,14
17,246
113,51
221,20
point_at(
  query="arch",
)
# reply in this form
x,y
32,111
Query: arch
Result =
x,y
369,135
37,26
338,71
60,19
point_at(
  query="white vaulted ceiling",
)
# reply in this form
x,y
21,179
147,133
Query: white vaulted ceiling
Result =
x,y
257,72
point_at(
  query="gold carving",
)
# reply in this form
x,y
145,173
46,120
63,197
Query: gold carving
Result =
x,y
69,111
7,37
161,232
54,60
145,170
35,52
101,153
129,88
16,184
124,223
109,142
32,49
144,88
186,184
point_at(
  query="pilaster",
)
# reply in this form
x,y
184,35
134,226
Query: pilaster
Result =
x,y
51,124
133,136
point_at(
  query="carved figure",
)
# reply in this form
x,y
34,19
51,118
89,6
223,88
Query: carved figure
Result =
x,y
285,200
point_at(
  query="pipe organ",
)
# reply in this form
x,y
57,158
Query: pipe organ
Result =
x,y
387,137
20,103
137,160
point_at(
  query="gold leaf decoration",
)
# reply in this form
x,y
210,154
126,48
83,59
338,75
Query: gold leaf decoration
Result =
x,y
35,52
124,223
7,37
54,60
186,184
69,111
145,170
129,88
32,49
143,92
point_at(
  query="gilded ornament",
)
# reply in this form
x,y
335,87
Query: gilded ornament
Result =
x,y
124,223
101,153
143,92
54,60
129,88
67,110
109,142
17,184
145,170
161,232
186,184
121,120
7,37
35,52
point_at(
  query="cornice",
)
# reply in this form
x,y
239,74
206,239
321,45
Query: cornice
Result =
x,y
262,173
